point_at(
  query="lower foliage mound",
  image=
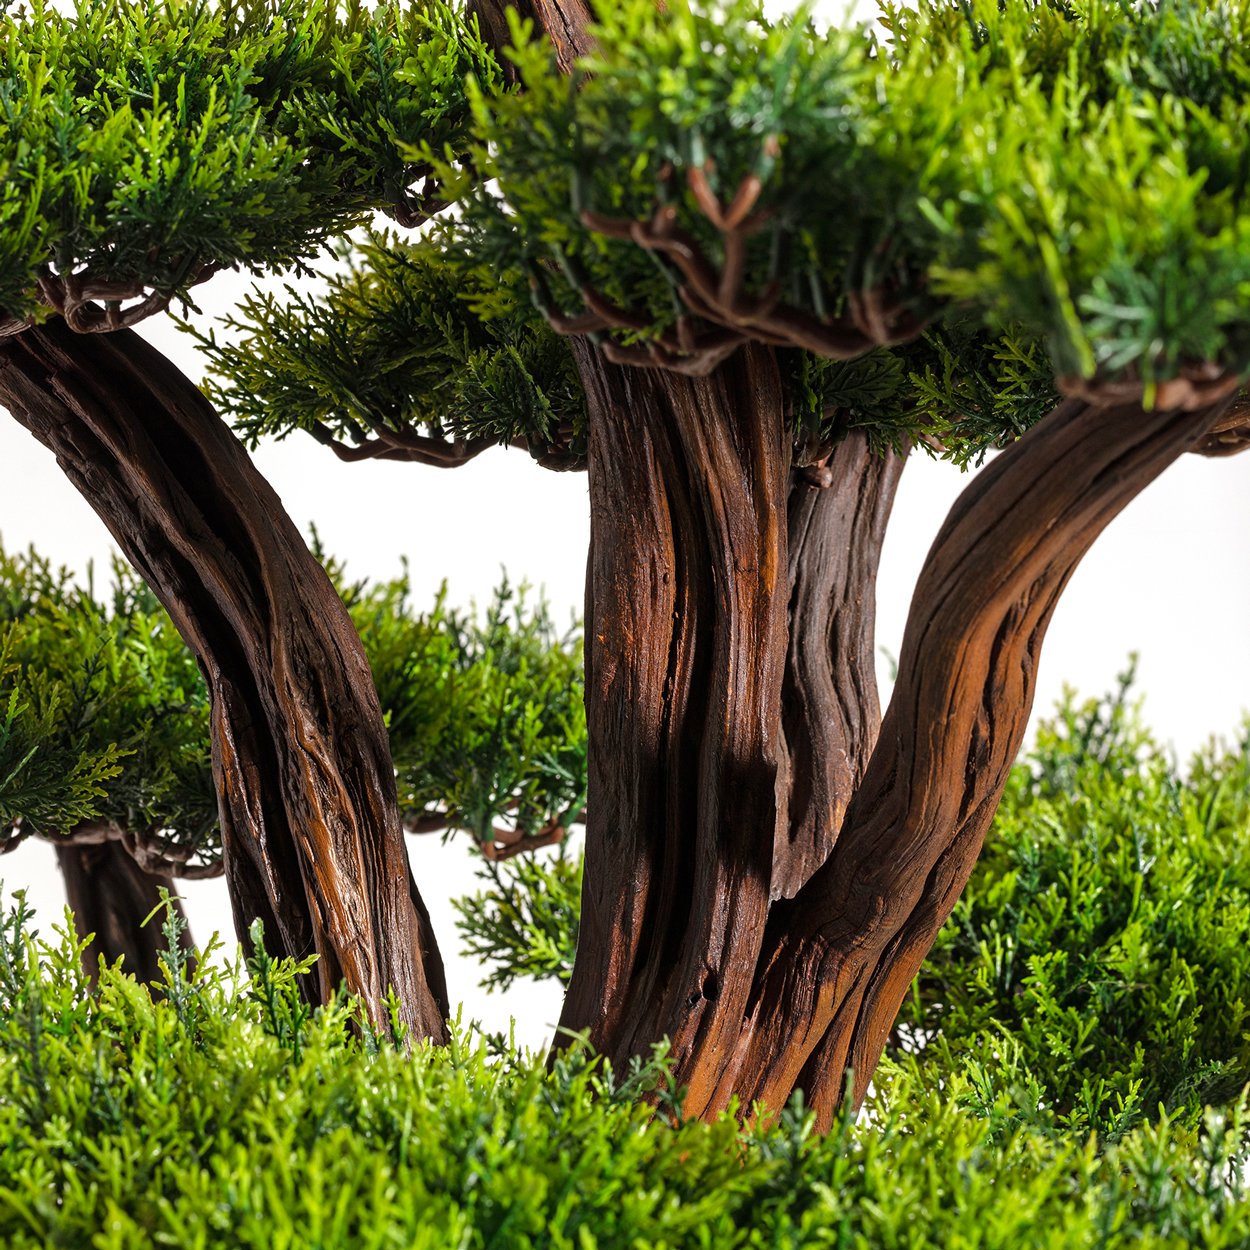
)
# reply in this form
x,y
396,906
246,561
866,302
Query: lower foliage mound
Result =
x,y
1066,1074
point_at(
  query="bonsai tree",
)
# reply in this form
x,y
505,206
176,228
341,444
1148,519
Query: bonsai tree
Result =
x,y
145,146
739,269
105,746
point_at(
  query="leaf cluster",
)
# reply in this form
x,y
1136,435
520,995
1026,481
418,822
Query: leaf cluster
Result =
x,y
524,925
1096,968
106,713
408,337
145,143
485,712
240,1119
1077,171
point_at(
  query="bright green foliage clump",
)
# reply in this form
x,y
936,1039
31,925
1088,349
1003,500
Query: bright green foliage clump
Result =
x,y
1054,190
486,716
1102,198
144,143
1097,963
217,1111
1078,171
106,716
712,89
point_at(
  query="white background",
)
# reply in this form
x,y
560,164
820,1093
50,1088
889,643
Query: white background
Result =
x,y
1169,579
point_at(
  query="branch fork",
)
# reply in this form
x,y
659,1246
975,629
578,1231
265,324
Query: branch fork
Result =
x,y
716,297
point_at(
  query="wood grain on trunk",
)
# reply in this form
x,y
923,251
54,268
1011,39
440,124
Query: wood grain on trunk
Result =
x,y
310,822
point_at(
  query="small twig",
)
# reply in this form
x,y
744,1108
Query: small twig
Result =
x,y
1198,386
876,319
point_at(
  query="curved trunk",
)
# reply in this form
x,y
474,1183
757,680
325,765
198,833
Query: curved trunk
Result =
x,y
110,895
765,871
731,701
310,822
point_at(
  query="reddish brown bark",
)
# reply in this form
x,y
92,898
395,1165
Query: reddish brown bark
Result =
x,y
110,895
310,822
839,959
686,629
733,717
563,21
831,711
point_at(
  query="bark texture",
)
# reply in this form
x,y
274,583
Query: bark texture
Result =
x,y
831,711
310,822
563,21
765,870
686,628
110,895
839,959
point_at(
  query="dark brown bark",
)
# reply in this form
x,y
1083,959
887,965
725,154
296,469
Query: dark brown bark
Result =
x,y
686,631
764,872
310,822
831,709
839,959
110,895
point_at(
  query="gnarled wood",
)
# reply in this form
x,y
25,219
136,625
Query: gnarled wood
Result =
x,y
309,816
831,711
840,957
686,630
110,895
564,22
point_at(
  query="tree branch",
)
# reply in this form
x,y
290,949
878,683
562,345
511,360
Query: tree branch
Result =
x,y
838,512
839,959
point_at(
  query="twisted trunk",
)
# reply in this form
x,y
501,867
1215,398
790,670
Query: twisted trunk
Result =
x,y
310,823
110,895
765,872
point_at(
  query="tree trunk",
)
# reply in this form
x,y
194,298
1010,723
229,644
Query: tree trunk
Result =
x,y
310,822
764,871
109,895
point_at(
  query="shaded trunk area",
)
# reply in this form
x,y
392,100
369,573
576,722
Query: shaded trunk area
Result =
x,y
768,862
110,895
310,823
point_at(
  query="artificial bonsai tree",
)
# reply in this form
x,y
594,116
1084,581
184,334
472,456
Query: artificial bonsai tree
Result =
x,y
105,747
740,269
145,147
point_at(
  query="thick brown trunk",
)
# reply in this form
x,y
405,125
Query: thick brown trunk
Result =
x,y
110,896
310,823
765,870
686,630
840,958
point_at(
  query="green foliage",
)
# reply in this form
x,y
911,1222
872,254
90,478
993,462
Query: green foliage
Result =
x,y
1096,967
106,713
410,336
1101,196
146,142
714,89
1073,171
239,1119
486,715
525,923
